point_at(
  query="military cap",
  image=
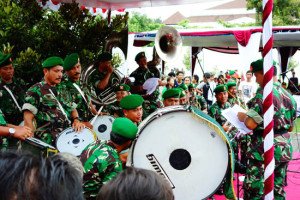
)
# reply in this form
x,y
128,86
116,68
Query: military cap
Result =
x,y
220,88
122,87
231,84
139,56
257,65
183,86
52,61
70,61
124,127
191,86
131,101
5,59
172,93
231,72
105,56
182,94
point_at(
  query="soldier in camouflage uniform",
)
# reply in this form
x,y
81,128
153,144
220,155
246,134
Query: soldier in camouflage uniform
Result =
x,y
284,116
171,97
11,88
51,108
79,94
197,100
115,109
232,95
132,107
141,74
101,160
9,130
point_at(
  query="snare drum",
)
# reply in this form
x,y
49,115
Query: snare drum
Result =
x,y
74,142
185,146
38,147
102,126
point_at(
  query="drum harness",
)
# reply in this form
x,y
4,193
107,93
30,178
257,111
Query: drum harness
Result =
x,y
12,96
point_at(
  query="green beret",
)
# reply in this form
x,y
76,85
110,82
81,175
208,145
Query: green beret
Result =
x,y
191,86
139,56
257,65
124,127
230,84
182,94
183,86
105,56
5,59
70,61
231,72
52,61
220,88
131,101
172,93
122,87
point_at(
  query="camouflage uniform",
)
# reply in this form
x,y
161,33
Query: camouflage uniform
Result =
x,y
114,109
3,140
254,183
101,163
141,75
151,103
49,118
83,109
199,102
96,77
7,104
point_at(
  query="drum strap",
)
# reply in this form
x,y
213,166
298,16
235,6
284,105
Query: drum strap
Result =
x,y
81,93
60,107
13,97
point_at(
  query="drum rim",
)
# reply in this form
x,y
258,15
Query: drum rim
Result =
x,y
172,109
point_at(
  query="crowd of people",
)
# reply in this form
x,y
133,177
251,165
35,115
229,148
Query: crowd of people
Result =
x,y
61,100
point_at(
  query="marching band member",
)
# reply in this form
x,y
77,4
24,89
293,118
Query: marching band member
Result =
x,y
232,95
12,91
132,107
101,160
284,116
51,108
115,109
171,97
79,94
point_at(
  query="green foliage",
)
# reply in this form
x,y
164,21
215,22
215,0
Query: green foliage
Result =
x,y
187,60
27,66
233,25
141,23
285,12
39,33
184,23
293,63
116,60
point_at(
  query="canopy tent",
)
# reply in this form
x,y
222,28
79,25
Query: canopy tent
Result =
x,y
286,40
117,4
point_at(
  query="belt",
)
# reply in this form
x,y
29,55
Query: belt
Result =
x,y
286,135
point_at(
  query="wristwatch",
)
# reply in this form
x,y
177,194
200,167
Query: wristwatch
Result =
x,y
11,131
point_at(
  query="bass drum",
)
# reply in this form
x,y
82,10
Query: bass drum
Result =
x,y
102,126
186,147
73,142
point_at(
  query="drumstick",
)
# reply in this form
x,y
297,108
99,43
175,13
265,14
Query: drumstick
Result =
x,y
95,117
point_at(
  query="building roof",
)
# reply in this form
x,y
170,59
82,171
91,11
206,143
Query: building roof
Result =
x,y
231,5
174,19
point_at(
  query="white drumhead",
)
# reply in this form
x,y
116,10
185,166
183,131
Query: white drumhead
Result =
x,y
102,126
192,155
74,142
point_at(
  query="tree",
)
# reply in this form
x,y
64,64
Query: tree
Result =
x,y
36,33
187,60
285,12
141,23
